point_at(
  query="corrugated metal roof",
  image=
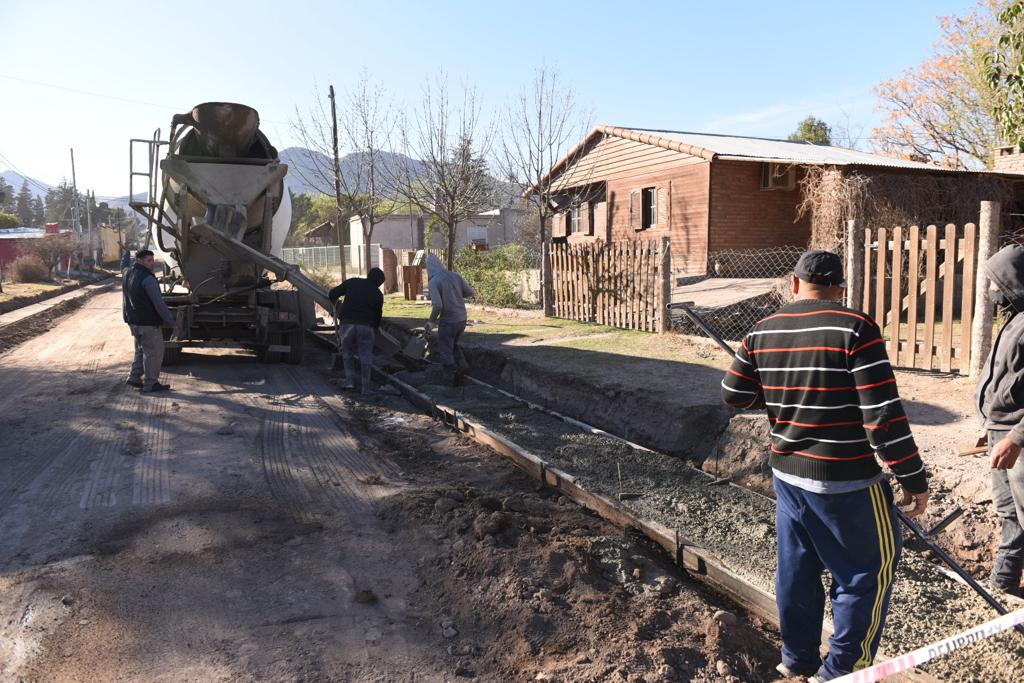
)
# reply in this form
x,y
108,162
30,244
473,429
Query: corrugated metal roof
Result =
x,y
783,151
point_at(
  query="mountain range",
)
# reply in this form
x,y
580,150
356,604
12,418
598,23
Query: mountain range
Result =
x,y
305,170
38,189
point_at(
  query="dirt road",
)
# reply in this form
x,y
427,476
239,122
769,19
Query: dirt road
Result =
x,y
253,525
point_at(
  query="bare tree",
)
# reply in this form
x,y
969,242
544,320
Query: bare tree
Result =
x,y
539,129
363,128
450,181
846,133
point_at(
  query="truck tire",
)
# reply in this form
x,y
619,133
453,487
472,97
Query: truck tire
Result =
x,y
267,356
172,355
296,342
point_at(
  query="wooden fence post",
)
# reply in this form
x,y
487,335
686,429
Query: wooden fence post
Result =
x,y
665,293
545,281
854,264
988,243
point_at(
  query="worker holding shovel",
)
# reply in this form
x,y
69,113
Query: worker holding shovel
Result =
x,y
362,309
448,293
821,371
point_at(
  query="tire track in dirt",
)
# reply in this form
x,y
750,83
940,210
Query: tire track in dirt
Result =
x,y
309,462
339,453
151,475
39,460
107,466
277,459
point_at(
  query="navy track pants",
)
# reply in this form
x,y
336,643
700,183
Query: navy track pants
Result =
x,y
855,537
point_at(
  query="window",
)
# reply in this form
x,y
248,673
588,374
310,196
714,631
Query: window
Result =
x,y
649,198
778,176
576,218
477,234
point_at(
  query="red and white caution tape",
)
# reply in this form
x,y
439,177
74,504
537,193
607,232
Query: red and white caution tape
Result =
x,y
934,650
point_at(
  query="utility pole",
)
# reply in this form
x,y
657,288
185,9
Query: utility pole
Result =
x,y
337,185
76,224
88,223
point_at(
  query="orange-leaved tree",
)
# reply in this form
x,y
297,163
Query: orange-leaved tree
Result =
x,y
942,110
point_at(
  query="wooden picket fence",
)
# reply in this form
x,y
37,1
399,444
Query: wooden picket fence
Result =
x,y
919,287
621,284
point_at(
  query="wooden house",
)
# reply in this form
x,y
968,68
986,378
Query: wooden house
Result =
x,y
707,192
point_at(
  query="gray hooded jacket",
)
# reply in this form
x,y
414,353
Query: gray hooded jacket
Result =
x,y
1000,393
447,292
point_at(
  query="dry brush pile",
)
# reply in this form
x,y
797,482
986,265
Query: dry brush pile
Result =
x,y
832,196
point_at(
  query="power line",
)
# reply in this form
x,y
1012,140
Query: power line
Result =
x,y
30,181
90,93
112,97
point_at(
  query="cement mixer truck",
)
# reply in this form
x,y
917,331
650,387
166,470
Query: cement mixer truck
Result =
x,y
218,213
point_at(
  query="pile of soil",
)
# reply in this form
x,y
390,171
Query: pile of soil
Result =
x,y
735,524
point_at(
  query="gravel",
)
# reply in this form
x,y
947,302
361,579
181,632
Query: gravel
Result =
x,y
738,526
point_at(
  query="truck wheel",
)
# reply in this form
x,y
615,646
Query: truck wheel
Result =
x,y
296,342
268,356
172,355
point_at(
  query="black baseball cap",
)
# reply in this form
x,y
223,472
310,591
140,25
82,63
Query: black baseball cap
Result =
x,y
820,267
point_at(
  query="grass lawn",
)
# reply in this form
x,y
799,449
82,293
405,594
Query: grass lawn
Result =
x,y
16,290
598,353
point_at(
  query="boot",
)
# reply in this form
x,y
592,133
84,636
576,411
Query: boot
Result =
x,y
350,373
365,385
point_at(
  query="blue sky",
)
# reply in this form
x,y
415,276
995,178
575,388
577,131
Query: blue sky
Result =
x,y
743,67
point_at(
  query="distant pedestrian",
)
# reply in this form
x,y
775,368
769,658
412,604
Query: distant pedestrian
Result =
x,y
359,319
1000,402
126,262
822,372
146,313
448,292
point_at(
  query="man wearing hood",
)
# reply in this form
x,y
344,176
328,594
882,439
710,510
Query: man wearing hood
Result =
x,y
448,292
1000,401
358,320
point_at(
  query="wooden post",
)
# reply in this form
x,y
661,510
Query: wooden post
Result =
x,y
854,264
914,292
665,252
896,291
546,289
988,243
948,275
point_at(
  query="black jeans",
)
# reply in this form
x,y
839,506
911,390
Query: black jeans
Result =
x,y
1008,498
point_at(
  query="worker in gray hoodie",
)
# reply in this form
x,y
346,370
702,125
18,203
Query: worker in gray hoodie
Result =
x,y
1000,402
448,292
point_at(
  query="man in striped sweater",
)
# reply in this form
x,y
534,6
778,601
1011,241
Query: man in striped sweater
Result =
x,y
822,373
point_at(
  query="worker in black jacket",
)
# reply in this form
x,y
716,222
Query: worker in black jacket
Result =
x,y
358,320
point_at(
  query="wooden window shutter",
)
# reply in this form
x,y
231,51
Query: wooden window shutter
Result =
x,y
587,227
662,207
557,224
636,209
600,225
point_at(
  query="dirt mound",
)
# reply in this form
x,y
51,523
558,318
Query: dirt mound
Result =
x,y
528,585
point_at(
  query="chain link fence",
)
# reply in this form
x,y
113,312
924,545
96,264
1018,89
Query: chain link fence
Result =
x,y
327,258
733,321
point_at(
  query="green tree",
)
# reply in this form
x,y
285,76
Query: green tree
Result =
x,y
38,212
814,130
6,196
1004,67
59,202
8,220
23,207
